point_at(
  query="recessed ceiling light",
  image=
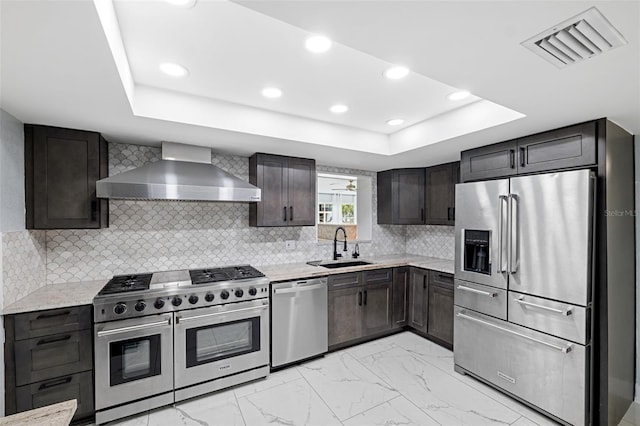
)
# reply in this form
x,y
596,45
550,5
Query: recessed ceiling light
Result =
x,y
395,122
339,109
395,73
174,70
182,3
318,44
271,92
457,96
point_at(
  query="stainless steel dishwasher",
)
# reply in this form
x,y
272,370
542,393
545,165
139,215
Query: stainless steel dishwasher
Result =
x,y
299,325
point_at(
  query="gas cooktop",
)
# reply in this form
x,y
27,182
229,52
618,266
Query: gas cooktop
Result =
x,y
127,296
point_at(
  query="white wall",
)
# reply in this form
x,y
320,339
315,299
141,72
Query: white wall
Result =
x,y
11,173
12,217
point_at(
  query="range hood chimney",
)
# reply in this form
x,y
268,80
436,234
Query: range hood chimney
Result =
x,y
184,173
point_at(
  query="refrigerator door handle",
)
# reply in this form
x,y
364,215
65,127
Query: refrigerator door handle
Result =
x,y
521,301
513,234
473,290
503,199
563,349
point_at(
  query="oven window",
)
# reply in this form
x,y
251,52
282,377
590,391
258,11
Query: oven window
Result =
x,y
134,359
219,341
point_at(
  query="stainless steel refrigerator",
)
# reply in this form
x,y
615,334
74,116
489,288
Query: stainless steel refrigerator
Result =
x,y
523,288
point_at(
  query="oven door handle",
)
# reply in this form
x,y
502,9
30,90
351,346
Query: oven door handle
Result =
x,y
162,323
214,314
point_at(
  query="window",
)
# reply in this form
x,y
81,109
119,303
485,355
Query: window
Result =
x,y
344,201
324,213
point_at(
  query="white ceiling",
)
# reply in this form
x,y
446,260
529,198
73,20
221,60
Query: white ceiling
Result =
x,y
57,68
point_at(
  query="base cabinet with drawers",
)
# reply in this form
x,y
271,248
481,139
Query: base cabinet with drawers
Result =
x,y
49,359
360,305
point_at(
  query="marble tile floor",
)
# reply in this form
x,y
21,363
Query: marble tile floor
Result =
x,y
397,380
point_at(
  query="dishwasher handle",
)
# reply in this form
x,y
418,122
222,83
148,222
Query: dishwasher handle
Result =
x,y
298,289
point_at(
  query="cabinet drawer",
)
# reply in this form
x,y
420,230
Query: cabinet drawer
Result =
x,y
481,298
548,372
351,279
53,321
75,386
47,357
378,276
441,278
556,318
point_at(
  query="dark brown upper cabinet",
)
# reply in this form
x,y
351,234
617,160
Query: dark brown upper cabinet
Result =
x,y
565,148
288,187
61,170
440,193
401,197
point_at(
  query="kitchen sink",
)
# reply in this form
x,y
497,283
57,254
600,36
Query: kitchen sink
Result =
x,y
335,265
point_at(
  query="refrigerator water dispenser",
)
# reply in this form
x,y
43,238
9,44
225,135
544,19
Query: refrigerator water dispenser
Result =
x,y
476,251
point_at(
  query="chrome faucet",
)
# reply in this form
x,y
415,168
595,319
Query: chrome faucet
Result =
x,y
336,255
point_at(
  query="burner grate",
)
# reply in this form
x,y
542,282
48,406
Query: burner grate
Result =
x,y
125,283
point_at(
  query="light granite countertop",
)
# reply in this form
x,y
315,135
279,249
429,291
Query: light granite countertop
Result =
x,y
53,296
294,271
59,414
63,295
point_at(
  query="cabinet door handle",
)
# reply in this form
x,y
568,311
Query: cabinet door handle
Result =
x,y
285,213
53,315
365,297
512,159
53,340
291,213
424,282
54,383
359,298
523,153
448,213
453,213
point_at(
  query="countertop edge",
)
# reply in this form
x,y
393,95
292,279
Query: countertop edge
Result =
x,y
54,296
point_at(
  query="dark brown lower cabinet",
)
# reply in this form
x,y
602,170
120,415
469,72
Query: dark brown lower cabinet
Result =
x,y
368,304
418,299
361,310
49,359
377,307
400,294
345,315
440,313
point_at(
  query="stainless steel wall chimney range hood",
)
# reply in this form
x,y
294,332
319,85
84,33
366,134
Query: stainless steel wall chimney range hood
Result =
x,y
184,173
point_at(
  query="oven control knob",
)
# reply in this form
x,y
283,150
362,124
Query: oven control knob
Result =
x,y
159,304
224,294
239,292
193,299
177,301
209,297
120,308
140,306
253,291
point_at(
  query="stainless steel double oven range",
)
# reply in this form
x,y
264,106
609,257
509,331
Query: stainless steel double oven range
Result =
x,y
169,336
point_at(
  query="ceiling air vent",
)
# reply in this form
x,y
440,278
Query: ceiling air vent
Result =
x,y
582,37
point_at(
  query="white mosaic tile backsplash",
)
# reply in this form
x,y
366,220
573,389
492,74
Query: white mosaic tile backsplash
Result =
x,y
431,240
163,235
24,259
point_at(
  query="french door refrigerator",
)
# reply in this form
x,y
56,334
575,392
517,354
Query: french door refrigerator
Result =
x,y
523,288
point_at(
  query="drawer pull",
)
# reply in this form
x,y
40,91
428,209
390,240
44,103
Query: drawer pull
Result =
x,y
521,301
57,314
563,349
445,277
53,339
54,383
473,290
